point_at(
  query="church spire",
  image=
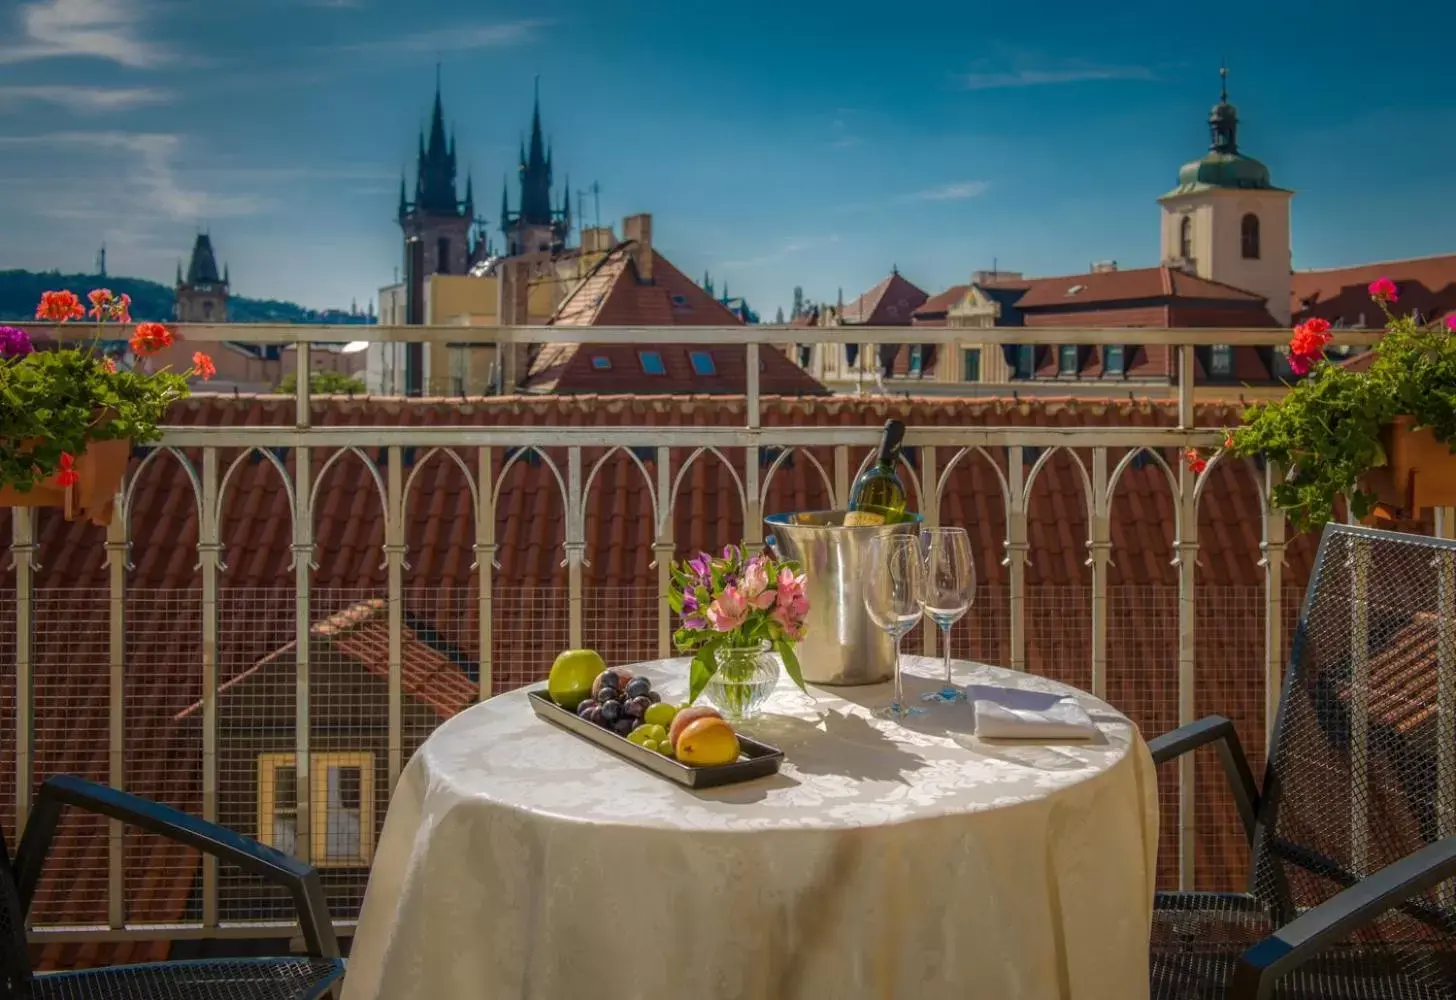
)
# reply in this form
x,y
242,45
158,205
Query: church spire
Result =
x,y
505,213
403,201
1223,120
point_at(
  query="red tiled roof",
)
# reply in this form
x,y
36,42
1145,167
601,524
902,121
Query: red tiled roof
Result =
x,y
1342,294
890,303
361,633
932,311
613,294
1105,287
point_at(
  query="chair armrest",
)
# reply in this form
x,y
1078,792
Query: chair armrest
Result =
x,y
1221,733
1302,938
301,880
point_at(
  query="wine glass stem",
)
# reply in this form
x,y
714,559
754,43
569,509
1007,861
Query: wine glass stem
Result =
x,y
899,680
945,638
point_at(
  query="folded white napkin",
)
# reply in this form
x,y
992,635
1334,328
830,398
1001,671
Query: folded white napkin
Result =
x,y
1014,714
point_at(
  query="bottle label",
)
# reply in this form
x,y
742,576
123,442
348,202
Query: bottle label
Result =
x,y
863,519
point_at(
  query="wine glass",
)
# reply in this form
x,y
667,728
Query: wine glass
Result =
x,y
894,576
950,586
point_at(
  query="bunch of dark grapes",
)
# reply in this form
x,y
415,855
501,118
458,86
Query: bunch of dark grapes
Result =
x,y
619,703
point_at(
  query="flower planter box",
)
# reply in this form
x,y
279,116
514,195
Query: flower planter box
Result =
x,y
99,471
1419,471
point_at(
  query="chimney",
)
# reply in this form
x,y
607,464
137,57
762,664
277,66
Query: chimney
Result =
x,y
597,239
638,229
1104,266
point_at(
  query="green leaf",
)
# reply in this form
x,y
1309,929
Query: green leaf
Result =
x,y
704,666
791,662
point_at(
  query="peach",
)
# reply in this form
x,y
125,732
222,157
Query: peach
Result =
x,y
690,714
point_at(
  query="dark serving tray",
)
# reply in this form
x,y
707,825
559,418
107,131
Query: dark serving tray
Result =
x,y
755,760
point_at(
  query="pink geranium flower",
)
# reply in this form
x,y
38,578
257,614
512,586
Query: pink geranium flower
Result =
x,y
1451,322
1383,290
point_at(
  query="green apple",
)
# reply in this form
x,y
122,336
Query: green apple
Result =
x,y
571,678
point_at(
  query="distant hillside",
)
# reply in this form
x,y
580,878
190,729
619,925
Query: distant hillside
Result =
x,y
20,291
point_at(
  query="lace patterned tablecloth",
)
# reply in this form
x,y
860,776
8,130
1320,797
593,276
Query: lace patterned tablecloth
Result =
x,y
883,861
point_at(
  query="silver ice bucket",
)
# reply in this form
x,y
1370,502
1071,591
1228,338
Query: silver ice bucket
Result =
x,y
841,645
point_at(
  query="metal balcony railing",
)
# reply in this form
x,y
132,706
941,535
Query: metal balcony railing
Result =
x,y
262,763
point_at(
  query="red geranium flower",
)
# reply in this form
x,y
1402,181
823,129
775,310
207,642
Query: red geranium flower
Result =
x,y
121,308
67,475
101,303
1196,462
108,365
150,338
1383,290
59,307
1308,345
202,366
1228,440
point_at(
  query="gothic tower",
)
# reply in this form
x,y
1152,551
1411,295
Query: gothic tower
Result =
x,y
537,225
1226,221
436,222
203,296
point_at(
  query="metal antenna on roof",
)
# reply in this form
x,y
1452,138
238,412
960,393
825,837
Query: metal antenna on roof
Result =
x,y
1223,81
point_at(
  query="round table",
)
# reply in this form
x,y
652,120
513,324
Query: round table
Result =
x,y
885,860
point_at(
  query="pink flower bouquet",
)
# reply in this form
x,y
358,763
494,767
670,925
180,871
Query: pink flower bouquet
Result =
x,y
733,602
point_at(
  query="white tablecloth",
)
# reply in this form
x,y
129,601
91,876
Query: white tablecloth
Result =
x,y
884,861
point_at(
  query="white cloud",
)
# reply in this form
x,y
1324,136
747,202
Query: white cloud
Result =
x,y
1071,71
788,246
460,38
958,191
846,142
144,170
96,29
83,99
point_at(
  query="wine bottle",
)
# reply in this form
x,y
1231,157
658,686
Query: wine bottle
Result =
x,y
878,495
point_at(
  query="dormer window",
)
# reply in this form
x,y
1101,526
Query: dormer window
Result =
x,y
1221,361
652,363
1069,362
601,363
702,363
917,360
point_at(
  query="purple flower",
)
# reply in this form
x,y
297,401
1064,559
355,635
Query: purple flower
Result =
x,y
692,616
14,342
702,566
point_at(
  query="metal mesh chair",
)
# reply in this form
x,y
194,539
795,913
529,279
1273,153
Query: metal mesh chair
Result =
x,y
1352,888
224,979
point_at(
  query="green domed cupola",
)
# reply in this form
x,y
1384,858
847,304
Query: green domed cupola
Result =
x,y
1223,166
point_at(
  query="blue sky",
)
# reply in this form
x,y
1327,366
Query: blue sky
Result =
x,y
777,144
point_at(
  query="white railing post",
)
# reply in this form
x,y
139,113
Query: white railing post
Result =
x,y
575,547
663,550
209,562
394,554
1016,553
303,612
930,512
1099,557
22,560
1272,550
485,565
117,549
1185,546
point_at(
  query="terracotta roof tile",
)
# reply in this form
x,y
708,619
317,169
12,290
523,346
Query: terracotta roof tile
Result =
x,y
1129,286
891,302
1342,295
614,295
932,311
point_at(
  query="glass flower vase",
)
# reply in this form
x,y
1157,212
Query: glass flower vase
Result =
x,y
746,676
